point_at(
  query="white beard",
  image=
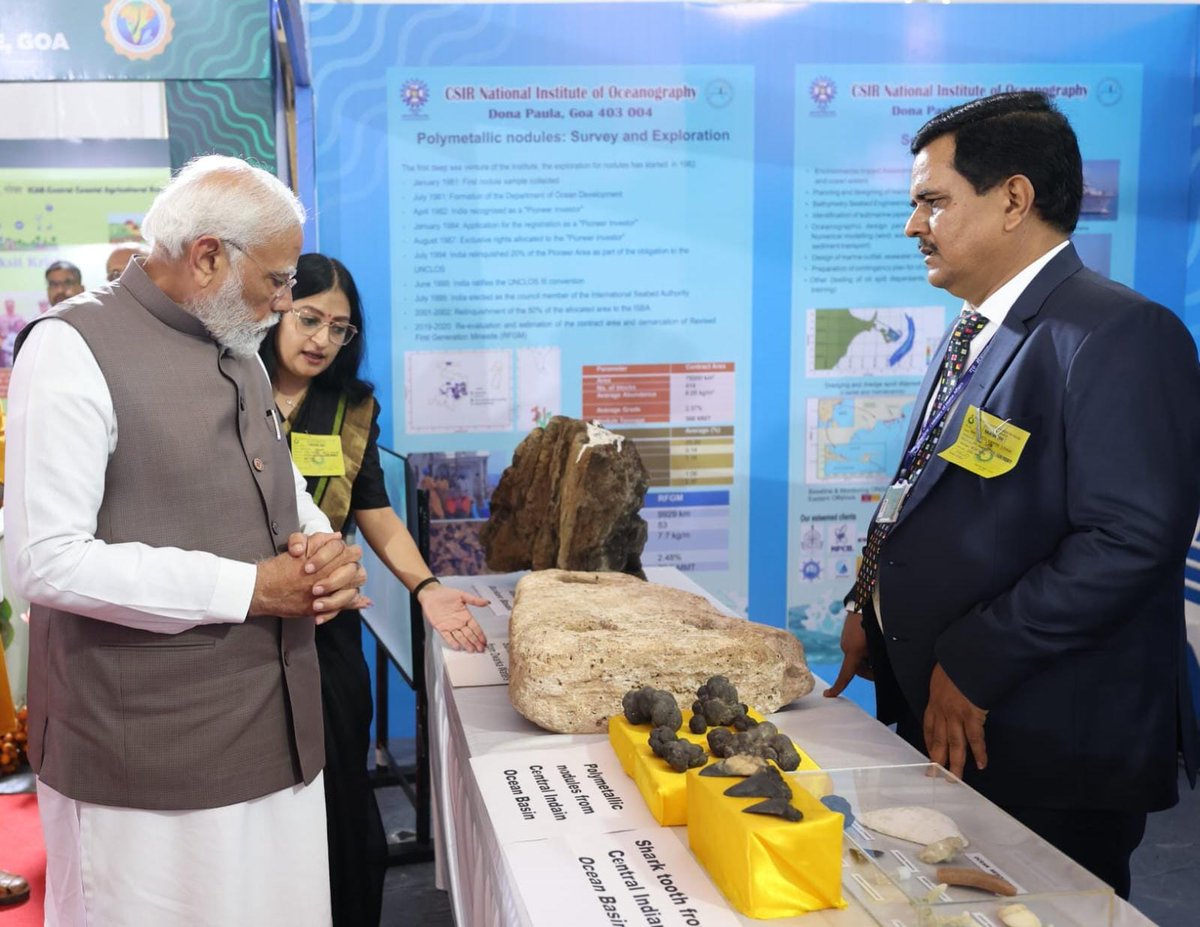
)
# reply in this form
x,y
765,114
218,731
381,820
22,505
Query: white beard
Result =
x,y
229,320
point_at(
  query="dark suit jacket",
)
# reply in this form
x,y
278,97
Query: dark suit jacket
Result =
x,y
1053,595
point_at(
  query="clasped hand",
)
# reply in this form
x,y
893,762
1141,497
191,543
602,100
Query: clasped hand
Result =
x,y
318,576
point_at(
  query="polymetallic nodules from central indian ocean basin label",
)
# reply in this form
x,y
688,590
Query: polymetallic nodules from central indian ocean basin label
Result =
x,y
765,784
780,807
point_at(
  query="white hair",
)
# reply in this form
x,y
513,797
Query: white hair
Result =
x,y
227,318
224,197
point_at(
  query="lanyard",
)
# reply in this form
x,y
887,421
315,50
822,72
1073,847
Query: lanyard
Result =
x,y
936,418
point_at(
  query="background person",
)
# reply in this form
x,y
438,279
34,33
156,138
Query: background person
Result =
x,y
1034,618
330,413
120,257
63,280
176,569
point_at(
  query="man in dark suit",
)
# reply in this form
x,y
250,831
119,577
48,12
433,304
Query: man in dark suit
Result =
x,y
1019,602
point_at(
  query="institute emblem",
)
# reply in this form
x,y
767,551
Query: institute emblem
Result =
x,y
822,91
138,29
415,94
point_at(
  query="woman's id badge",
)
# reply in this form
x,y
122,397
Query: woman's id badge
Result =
x,y
893,499
318,455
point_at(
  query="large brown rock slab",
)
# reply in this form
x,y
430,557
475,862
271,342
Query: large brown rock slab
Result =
x,y
569,500
579,641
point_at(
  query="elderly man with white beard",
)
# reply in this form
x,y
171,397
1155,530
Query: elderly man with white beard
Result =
x,y
177,569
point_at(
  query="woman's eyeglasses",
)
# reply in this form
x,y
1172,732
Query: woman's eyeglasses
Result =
x,y
340,333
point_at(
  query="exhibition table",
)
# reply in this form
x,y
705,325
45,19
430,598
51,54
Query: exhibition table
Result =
x,y
470,722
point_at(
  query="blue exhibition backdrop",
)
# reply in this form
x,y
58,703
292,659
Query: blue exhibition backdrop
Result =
x,y
685,220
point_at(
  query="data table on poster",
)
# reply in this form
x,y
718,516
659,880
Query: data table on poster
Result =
x,y
687,530
695,455
632,393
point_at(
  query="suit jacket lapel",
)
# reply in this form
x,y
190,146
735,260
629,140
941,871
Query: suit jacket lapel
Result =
x,y
994,361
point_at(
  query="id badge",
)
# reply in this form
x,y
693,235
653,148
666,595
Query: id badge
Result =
x,y
893,499
318,455
987,445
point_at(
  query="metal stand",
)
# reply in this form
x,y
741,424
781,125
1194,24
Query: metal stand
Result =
x,y
414,779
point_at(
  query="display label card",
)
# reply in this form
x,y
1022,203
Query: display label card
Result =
x,y
489,668
533,794
634,877
499,595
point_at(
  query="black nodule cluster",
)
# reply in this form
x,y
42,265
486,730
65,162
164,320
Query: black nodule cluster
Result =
x,y
681,755
656,707
717,705
761,740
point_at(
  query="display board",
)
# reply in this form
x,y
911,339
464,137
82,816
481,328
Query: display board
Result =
x,y
72,201
685,221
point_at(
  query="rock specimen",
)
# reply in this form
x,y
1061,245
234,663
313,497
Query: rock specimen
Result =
x,y
839,805
941,851
579,641
1017,915
569,500
737,765
912,823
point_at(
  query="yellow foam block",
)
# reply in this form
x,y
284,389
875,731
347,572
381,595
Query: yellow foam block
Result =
x,y
663,789
766,866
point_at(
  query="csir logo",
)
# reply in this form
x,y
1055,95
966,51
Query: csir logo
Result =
x,y
138,29
822,91
415,94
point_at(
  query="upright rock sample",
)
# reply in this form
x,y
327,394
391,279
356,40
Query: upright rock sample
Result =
x,y
569,500
579,641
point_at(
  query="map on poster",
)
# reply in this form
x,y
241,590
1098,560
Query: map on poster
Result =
x,y
872,342
855,439
453,391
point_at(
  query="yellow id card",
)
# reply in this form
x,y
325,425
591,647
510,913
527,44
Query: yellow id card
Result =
x,y
987,446
318,455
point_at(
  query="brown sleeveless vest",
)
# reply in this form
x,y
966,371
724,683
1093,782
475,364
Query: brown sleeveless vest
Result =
x,y
217,714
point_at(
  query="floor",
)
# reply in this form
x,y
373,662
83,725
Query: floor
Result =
x,y
1166,869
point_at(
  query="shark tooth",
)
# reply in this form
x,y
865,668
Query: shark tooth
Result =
x,y
767,783
780,807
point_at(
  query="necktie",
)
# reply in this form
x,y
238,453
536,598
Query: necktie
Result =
x,y
968,325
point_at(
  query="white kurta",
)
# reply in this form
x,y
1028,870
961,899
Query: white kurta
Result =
x,y
258,862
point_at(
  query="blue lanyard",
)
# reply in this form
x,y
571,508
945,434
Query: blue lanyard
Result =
x,y
936,418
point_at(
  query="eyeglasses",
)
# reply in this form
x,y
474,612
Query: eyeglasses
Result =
x,y
340,333
283,281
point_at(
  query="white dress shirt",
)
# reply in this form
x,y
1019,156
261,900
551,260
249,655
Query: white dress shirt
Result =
x,y
996,309
60,438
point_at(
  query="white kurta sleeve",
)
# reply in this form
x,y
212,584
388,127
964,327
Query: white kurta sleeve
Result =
x,y
62,429
312,519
